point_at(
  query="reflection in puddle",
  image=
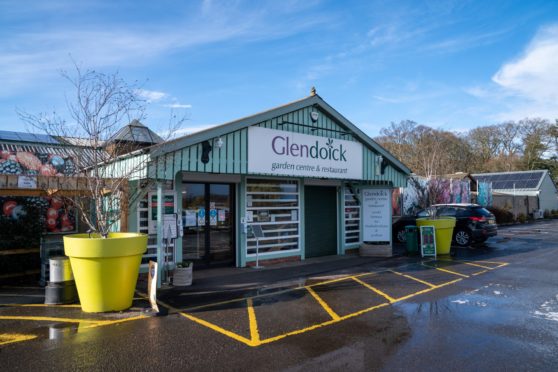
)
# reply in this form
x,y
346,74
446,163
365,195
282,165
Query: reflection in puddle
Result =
x,y
61,330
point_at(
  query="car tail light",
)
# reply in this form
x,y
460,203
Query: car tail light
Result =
x,y
478,219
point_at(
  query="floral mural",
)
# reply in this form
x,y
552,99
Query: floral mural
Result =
x,y
36,163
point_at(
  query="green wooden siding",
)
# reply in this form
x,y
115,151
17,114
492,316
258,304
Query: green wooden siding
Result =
x,y
232,157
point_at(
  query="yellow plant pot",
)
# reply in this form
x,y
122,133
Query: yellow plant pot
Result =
x,y
105,270
444,232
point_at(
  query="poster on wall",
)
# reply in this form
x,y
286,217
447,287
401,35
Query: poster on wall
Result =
x,y
376,215
189,217
169,207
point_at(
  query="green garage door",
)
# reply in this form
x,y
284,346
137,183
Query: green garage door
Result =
x,y
320,214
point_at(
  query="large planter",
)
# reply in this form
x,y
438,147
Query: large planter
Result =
x,y
444,231
105,270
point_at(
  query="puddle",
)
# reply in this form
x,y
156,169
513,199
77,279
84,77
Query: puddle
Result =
x,y
548,310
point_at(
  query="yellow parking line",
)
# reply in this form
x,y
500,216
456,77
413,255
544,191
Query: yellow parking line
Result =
x,y
477,265
254,334
445,270
216,328
112,322
92,323
480,272
415,279
326,307
386,296
49,319
255,340
500,264
8,338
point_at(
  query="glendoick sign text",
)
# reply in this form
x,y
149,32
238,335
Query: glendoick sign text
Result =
x,y
294,154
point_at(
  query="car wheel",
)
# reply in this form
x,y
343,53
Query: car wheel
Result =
x,y
463,238
401,236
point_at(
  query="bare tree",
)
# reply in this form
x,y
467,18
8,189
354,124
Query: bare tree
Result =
x,y
100,106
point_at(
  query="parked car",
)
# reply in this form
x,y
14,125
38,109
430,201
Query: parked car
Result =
x,y
474,224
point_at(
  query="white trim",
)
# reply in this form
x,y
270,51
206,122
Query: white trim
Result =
x,y
199,177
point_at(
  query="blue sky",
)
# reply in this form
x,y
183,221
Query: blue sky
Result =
x,y
448,64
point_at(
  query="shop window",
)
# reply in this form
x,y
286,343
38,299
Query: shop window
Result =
x,y
274,205
143,227
352,217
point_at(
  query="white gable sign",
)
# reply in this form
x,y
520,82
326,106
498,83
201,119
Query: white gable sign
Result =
x,y
294,154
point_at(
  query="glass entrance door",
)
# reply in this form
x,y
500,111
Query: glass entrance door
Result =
x,y
208,220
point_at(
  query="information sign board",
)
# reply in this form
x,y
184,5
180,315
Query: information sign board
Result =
x,y
428,241
376,215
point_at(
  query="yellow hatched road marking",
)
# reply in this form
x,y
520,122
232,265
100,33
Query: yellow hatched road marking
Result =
x,y
316,326
219,329
477,265
415,279
500,264
255,340
426,290
445,270
240,299
326,307
8,338
480,272
386,296
254,334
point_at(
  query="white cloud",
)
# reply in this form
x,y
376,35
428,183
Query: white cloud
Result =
x,y
32,56
178,105
185,131
534,75
151,95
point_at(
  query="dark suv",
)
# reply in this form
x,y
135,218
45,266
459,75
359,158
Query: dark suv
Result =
x,y
473,223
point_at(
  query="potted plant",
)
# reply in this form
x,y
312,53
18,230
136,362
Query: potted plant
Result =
x,y
105,262
182,275
443,226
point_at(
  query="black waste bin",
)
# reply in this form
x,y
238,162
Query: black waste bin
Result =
x,y
411,235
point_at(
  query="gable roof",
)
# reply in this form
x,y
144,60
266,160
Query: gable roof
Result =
x,y
518,181
312,100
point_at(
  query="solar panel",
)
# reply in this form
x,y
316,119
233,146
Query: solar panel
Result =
x,y
519,180
8,136
26,137
33,137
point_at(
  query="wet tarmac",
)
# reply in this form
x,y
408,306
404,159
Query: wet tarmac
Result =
x,y
494,307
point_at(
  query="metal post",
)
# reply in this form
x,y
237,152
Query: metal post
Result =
x,y
257,253
514,212
160,247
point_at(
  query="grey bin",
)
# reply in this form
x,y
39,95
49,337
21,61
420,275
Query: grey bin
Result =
x,y
60,270
61,288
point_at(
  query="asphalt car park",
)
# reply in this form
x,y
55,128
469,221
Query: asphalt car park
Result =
x,y
485,308
258,320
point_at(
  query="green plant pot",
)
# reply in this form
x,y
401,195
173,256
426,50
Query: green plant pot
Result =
x,y
105,270
443,230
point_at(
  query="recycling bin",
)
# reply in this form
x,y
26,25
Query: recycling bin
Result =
x,y
411,235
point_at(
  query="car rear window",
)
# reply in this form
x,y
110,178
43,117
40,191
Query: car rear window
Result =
x,y
482,212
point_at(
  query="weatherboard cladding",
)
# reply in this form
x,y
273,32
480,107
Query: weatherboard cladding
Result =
x,y
232,157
